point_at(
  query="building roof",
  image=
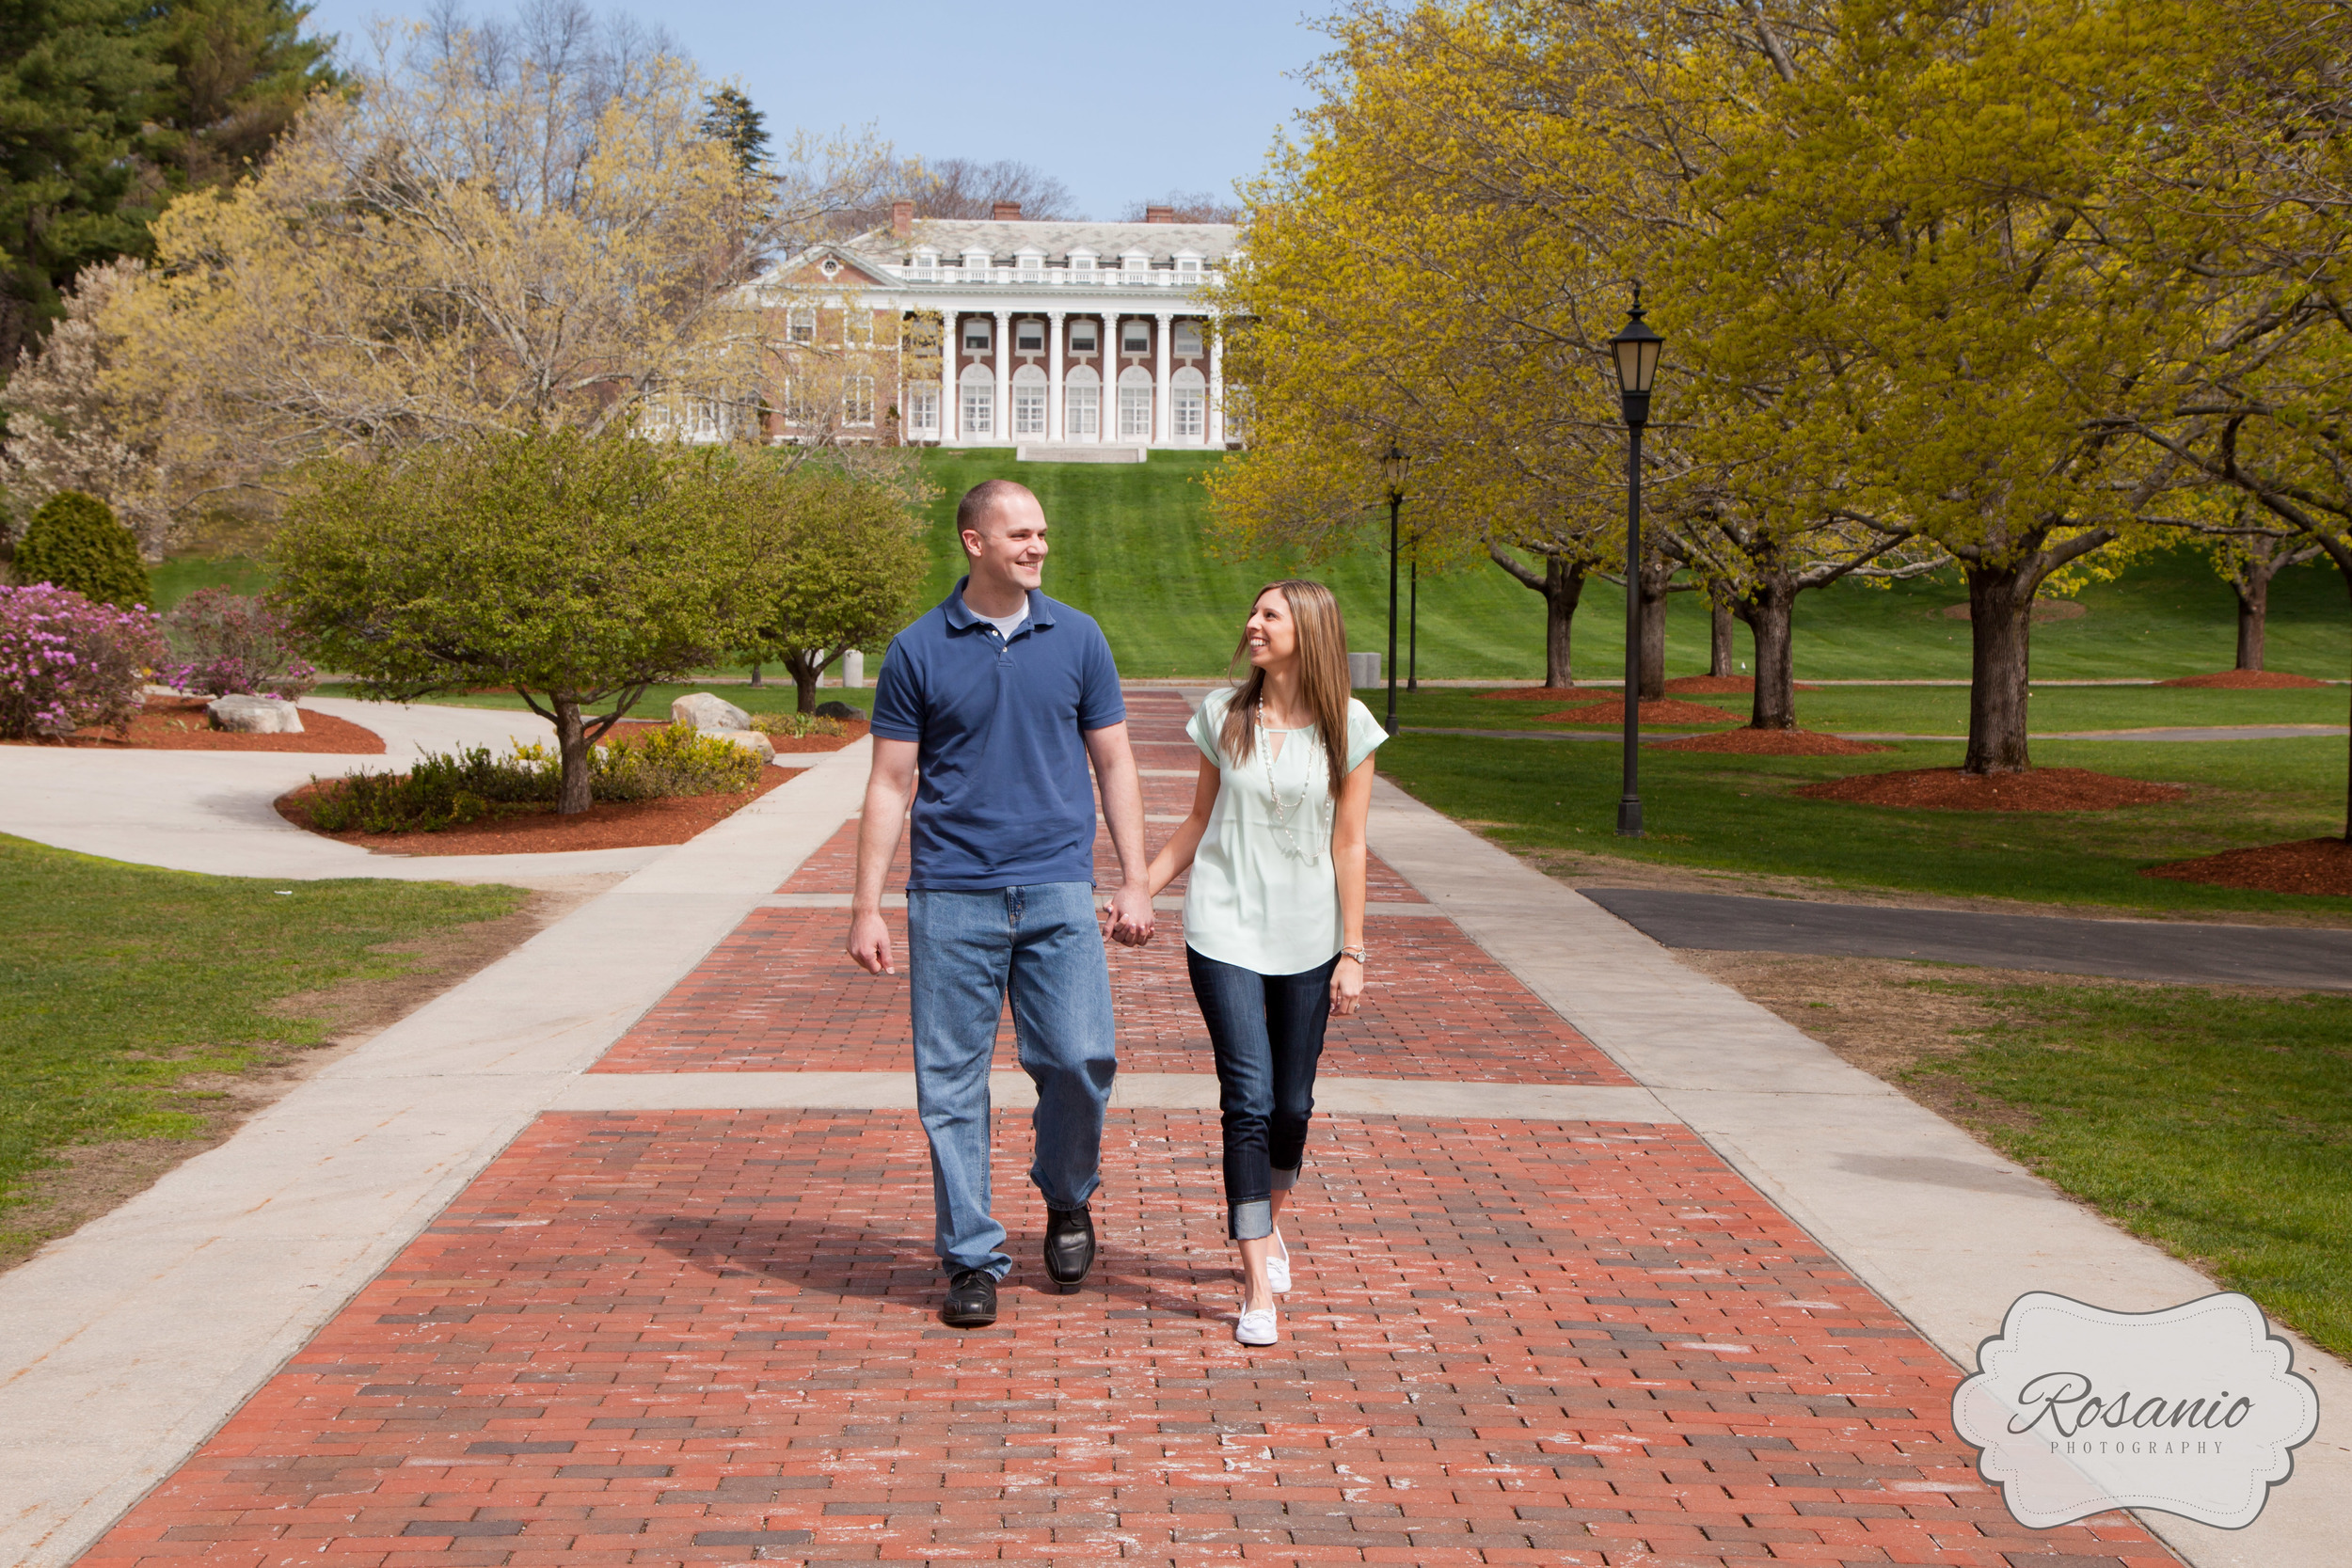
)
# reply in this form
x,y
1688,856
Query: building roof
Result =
x,y
953,237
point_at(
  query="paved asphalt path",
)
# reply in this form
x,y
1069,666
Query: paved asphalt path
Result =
x,y
2295,957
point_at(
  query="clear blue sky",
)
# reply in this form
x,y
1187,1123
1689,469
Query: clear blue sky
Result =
x,y
1121,99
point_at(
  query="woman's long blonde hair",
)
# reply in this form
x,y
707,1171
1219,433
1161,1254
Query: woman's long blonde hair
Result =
x,y
1322,676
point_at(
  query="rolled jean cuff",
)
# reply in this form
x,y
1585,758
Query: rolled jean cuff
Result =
x,y
1251,1222
1284,1180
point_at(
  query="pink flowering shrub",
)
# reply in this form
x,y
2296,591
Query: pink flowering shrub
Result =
x,y
239,645
66,661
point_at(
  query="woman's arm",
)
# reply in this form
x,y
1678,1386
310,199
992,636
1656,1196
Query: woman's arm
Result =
x,y
1348,860
1175,856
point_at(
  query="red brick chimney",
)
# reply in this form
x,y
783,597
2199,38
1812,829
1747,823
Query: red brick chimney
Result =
x,y
1159,215
903,220
1006,212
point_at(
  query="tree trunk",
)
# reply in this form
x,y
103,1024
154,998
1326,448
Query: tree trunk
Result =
x,y
1564,584
806,664
1656,576
2253,587
1770,611
2000,628
756,680
1718,651
571,745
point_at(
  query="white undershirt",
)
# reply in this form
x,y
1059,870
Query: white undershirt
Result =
x,y
1005,625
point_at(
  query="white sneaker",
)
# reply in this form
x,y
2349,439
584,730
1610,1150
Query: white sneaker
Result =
x,y
1277,1267
1256,1328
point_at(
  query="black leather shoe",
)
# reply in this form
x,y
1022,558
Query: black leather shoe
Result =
x,y
971,1300
1068,1245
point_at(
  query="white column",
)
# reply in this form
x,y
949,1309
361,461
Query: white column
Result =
x,y
1106,362
1216,392
1002,427
1053,431
1162,405
950,409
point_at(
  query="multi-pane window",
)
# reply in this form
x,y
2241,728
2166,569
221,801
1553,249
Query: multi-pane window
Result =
x,y
1135,412
1028,336
1082,337
1082,410
1135,336
926,265
857,400
1029,410
922,411
975,334
800,325
857,328
799,408
1192,413
1032,266
1187,341
980,408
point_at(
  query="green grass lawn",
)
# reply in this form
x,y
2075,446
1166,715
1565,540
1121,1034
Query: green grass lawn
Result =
x,y
1736,812
1130,547
2218,1126
1921,710
120,983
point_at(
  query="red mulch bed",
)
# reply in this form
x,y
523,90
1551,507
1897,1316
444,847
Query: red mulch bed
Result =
x,y
1658,710
181,724
1774,743
2314,865
2244,680
2037,789
785,744
1716,685
613,825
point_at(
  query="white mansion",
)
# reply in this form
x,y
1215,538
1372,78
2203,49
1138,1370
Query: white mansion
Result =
x,y
1006,333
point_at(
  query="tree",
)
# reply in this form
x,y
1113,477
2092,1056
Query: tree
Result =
x,y
76,80
1188,207
576,571
503,232
847,578
241,71
66,427
966,188
735,124
74,543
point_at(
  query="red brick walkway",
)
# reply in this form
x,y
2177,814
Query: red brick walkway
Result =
x,y
708,1337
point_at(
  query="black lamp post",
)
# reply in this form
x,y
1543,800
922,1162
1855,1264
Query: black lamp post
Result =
x,y
1412,620
1635,349
1394,467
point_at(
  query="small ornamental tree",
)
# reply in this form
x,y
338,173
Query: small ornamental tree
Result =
x,y
576,571
66,661
73,541
849,575
236,644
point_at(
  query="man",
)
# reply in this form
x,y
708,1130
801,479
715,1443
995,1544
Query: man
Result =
x,y
995,701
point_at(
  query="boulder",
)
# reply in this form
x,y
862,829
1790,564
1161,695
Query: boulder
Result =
x,y
837,710
706,712
255,714
751,740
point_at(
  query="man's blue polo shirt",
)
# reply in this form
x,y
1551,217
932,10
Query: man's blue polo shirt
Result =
x,y
1004,798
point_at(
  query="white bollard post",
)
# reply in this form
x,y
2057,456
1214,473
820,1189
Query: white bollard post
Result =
x,y
1363,671
853,669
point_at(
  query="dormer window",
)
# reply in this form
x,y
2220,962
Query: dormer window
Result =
x,y
975,334
927,263
1032,266
975,262
1028,336
1187,269
1136,260
1082,260
1187,341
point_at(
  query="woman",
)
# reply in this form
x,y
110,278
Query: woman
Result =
x,y
1274,916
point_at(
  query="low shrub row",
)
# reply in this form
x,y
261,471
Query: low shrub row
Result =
x,y
797,725
451,789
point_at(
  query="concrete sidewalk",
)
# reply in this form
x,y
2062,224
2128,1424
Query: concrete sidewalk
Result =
x,y
618,1253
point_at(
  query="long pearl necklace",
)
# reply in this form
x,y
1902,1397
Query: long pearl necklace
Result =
x,y
1282,814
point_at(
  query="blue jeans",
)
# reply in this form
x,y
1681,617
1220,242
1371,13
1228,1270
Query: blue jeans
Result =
x,y
1267,1030
964,952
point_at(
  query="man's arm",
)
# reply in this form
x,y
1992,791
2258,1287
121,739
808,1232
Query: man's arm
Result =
x,y
1122,811
888,787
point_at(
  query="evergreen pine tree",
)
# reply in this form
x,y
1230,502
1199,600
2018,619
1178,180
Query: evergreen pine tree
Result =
x,y
75,541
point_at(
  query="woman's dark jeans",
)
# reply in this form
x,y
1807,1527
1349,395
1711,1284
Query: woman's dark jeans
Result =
x,y
1268,1033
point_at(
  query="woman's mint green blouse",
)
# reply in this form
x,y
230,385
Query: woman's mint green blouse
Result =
x,y
1262,898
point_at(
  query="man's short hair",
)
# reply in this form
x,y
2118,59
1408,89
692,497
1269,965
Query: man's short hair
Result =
x,y
984,498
